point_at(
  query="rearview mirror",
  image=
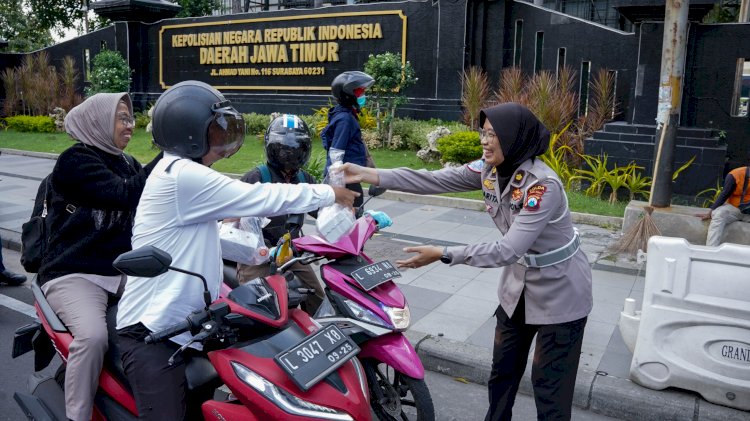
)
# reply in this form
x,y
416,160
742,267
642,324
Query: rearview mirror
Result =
x,y
375,190
147,262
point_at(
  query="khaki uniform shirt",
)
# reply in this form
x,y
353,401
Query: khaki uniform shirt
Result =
x,y
533,217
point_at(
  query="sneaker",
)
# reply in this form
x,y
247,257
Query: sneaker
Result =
x,y
11,278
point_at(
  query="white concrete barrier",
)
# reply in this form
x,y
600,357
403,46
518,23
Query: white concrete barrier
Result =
x,y
694,328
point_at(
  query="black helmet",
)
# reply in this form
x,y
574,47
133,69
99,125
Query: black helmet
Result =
x,y
183,115
287,142
344,85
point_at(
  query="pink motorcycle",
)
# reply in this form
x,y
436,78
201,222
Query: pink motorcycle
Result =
x,y
364,302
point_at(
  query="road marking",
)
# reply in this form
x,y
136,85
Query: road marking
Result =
x,y
18,306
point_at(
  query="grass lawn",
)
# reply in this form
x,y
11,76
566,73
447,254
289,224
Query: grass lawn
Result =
x,y
251,155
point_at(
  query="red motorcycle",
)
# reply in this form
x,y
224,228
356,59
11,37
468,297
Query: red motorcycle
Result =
x,y
266,359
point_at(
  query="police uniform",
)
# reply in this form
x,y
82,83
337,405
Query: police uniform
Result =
x,y
545,281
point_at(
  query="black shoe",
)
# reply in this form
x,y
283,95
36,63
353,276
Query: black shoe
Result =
x,y
12,279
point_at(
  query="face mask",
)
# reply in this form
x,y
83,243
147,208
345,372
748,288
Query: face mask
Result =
x,y
361,101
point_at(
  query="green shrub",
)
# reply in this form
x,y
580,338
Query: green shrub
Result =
x,y
27,123
414,133
256,124
109,73
460,147
141,119
312,122
316,164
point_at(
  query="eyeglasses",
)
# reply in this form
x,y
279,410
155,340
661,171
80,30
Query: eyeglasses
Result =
x,y
126,120
490,134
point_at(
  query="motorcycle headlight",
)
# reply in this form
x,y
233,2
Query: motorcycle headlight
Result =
x,y
400,317
366,315
284,400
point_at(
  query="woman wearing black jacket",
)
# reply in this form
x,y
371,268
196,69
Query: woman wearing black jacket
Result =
x,y
96,188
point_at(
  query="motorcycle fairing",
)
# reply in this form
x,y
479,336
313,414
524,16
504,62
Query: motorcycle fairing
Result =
x,y
348,244
396,351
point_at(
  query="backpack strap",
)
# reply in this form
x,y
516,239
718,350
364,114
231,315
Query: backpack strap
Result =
x,y
265,174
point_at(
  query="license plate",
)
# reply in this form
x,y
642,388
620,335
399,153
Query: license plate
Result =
x,y
370,276
317,356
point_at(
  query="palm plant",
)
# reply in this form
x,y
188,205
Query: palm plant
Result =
x,y
511,86
68,79
474,95
595,175
602,104
682,168
618,178
10,84
711,194
555,157
637,183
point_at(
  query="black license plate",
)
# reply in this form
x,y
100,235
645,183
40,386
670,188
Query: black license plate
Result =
x,y
370,276
321,353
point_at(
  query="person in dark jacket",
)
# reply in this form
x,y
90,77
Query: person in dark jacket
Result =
x,y
96,188
288,147
342,136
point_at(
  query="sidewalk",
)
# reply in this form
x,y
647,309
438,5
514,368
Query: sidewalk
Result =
x,y
451,307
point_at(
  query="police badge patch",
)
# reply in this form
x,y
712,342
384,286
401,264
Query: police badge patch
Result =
x,y
516,195
534,197
476,166
489,184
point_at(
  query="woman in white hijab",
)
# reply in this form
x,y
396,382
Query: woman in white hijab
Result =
x,y
95,191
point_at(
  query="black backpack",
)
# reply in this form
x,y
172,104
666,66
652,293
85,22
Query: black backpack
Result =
x,y
34,232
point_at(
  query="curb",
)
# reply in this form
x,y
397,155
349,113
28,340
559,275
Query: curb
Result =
x,y
478,205
597,392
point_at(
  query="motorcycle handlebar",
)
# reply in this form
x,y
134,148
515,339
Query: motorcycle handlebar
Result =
x,y
161,335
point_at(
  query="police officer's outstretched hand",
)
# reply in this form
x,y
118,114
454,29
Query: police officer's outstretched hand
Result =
x,y
425,255
354,173
344,196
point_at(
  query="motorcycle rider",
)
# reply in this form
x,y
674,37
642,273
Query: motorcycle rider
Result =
x,y
343,135
195,126
288,148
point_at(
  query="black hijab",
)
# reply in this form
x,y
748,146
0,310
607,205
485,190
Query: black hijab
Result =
x,y
522,136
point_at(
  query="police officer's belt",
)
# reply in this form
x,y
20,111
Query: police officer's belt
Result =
x,y
552,257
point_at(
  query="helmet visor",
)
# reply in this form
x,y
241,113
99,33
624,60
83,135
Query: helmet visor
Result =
x,y
226,131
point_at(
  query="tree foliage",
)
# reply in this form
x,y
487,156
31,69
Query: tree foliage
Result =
x,y
195,8
392,76
23,31
109,73
57,15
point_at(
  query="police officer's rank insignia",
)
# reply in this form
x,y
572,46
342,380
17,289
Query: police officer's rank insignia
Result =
x,y
534,197
476,166
489,184
518,178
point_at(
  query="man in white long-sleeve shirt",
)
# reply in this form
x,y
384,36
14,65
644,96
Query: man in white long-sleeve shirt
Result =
x,y
183,198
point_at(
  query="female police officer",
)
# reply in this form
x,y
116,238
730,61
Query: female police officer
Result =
x,y
545,283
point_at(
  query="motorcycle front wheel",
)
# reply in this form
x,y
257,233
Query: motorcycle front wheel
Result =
x,y
395,396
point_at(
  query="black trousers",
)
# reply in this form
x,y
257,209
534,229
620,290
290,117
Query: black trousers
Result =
x,y
159,388
554,370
